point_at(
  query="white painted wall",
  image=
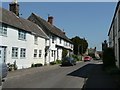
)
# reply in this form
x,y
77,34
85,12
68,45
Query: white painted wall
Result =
x,y
12,41
58,54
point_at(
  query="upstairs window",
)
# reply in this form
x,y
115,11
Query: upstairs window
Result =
x,y
21,35
3,30
60,40
23,53
36,40
53,39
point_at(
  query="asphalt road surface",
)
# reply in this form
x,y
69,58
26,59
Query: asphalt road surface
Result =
x,y
48,77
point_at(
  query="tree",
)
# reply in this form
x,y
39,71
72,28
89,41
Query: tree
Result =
x,y
80,45
64,53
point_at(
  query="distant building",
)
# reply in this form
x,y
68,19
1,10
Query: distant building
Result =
x,y
114,34
94,53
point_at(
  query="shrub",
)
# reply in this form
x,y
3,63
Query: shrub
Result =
x,y
108,58
64,53
32,65
58,61
38,65
75,57
15,66
52,63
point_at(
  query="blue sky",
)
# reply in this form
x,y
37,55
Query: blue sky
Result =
x,y
89,20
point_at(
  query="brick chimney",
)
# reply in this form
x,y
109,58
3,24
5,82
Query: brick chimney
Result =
x,y
50,19
14,7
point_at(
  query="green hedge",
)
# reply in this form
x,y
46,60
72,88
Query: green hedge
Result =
x,y
58,61
108,58
52,63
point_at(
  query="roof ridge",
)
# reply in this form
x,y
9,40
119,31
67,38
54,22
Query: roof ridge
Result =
x,y
52,28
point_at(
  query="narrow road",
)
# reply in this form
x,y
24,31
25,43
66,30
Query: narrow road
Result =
x,y
47,77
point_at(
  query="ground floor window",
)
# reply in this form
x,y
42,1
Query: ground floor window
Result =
x,y
23,53
52,53
40,53
35,53
14,52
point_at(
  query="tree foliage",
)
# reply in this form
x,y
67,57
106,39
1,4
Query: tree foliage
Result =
x,y
80,45
64,53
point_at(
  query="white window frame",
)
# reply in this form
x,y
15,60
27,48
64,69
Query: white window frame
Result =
x,y
40,53
14,52
3,29
22,53
52,53
35,53
60,40
35,40
53,39
21,35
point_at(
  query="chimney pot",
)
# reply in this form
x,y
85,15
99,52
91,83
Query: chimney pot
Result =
x,y
14,7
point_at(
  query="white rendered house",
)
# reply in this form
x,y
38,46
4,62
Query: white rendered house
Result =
x,y
21,40
58,40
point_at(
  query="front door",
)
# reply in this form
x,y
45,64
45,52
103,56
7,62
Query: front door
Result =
x,y
2,54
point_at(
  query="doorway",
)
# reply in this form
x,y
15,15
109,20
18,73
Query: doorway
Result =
x,y
2,54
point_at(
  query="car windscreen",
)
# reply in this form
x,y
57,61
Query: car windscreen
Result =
x,y
87,57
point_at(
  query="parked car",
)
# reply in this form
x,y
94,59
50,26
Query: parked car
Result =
x,y
87,58
69,61
3,71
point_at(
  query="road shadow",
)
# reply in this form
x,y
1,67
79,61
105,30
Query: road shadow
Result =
x,y
84,71
94,77
65,65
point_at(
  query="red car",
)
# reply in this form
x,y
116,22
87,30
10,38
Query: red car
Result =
x,y
87,58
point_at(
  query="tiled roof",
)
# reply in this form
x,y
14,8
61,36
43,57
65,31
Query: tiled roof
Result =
x,y
47,27
11,19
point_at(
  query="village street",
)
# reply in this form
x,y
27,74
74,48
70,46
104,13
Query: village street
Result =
x,y
49,77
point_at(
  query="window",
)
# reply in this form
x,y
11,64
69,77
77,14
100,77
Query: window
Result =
x,y
52,53
23,53
35,52
3,30
36,40
53,39
21,35
40,53
60,40
14,52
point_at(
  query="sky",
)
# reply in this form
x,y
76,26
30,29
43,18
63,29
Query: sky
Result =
x,y
89,20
